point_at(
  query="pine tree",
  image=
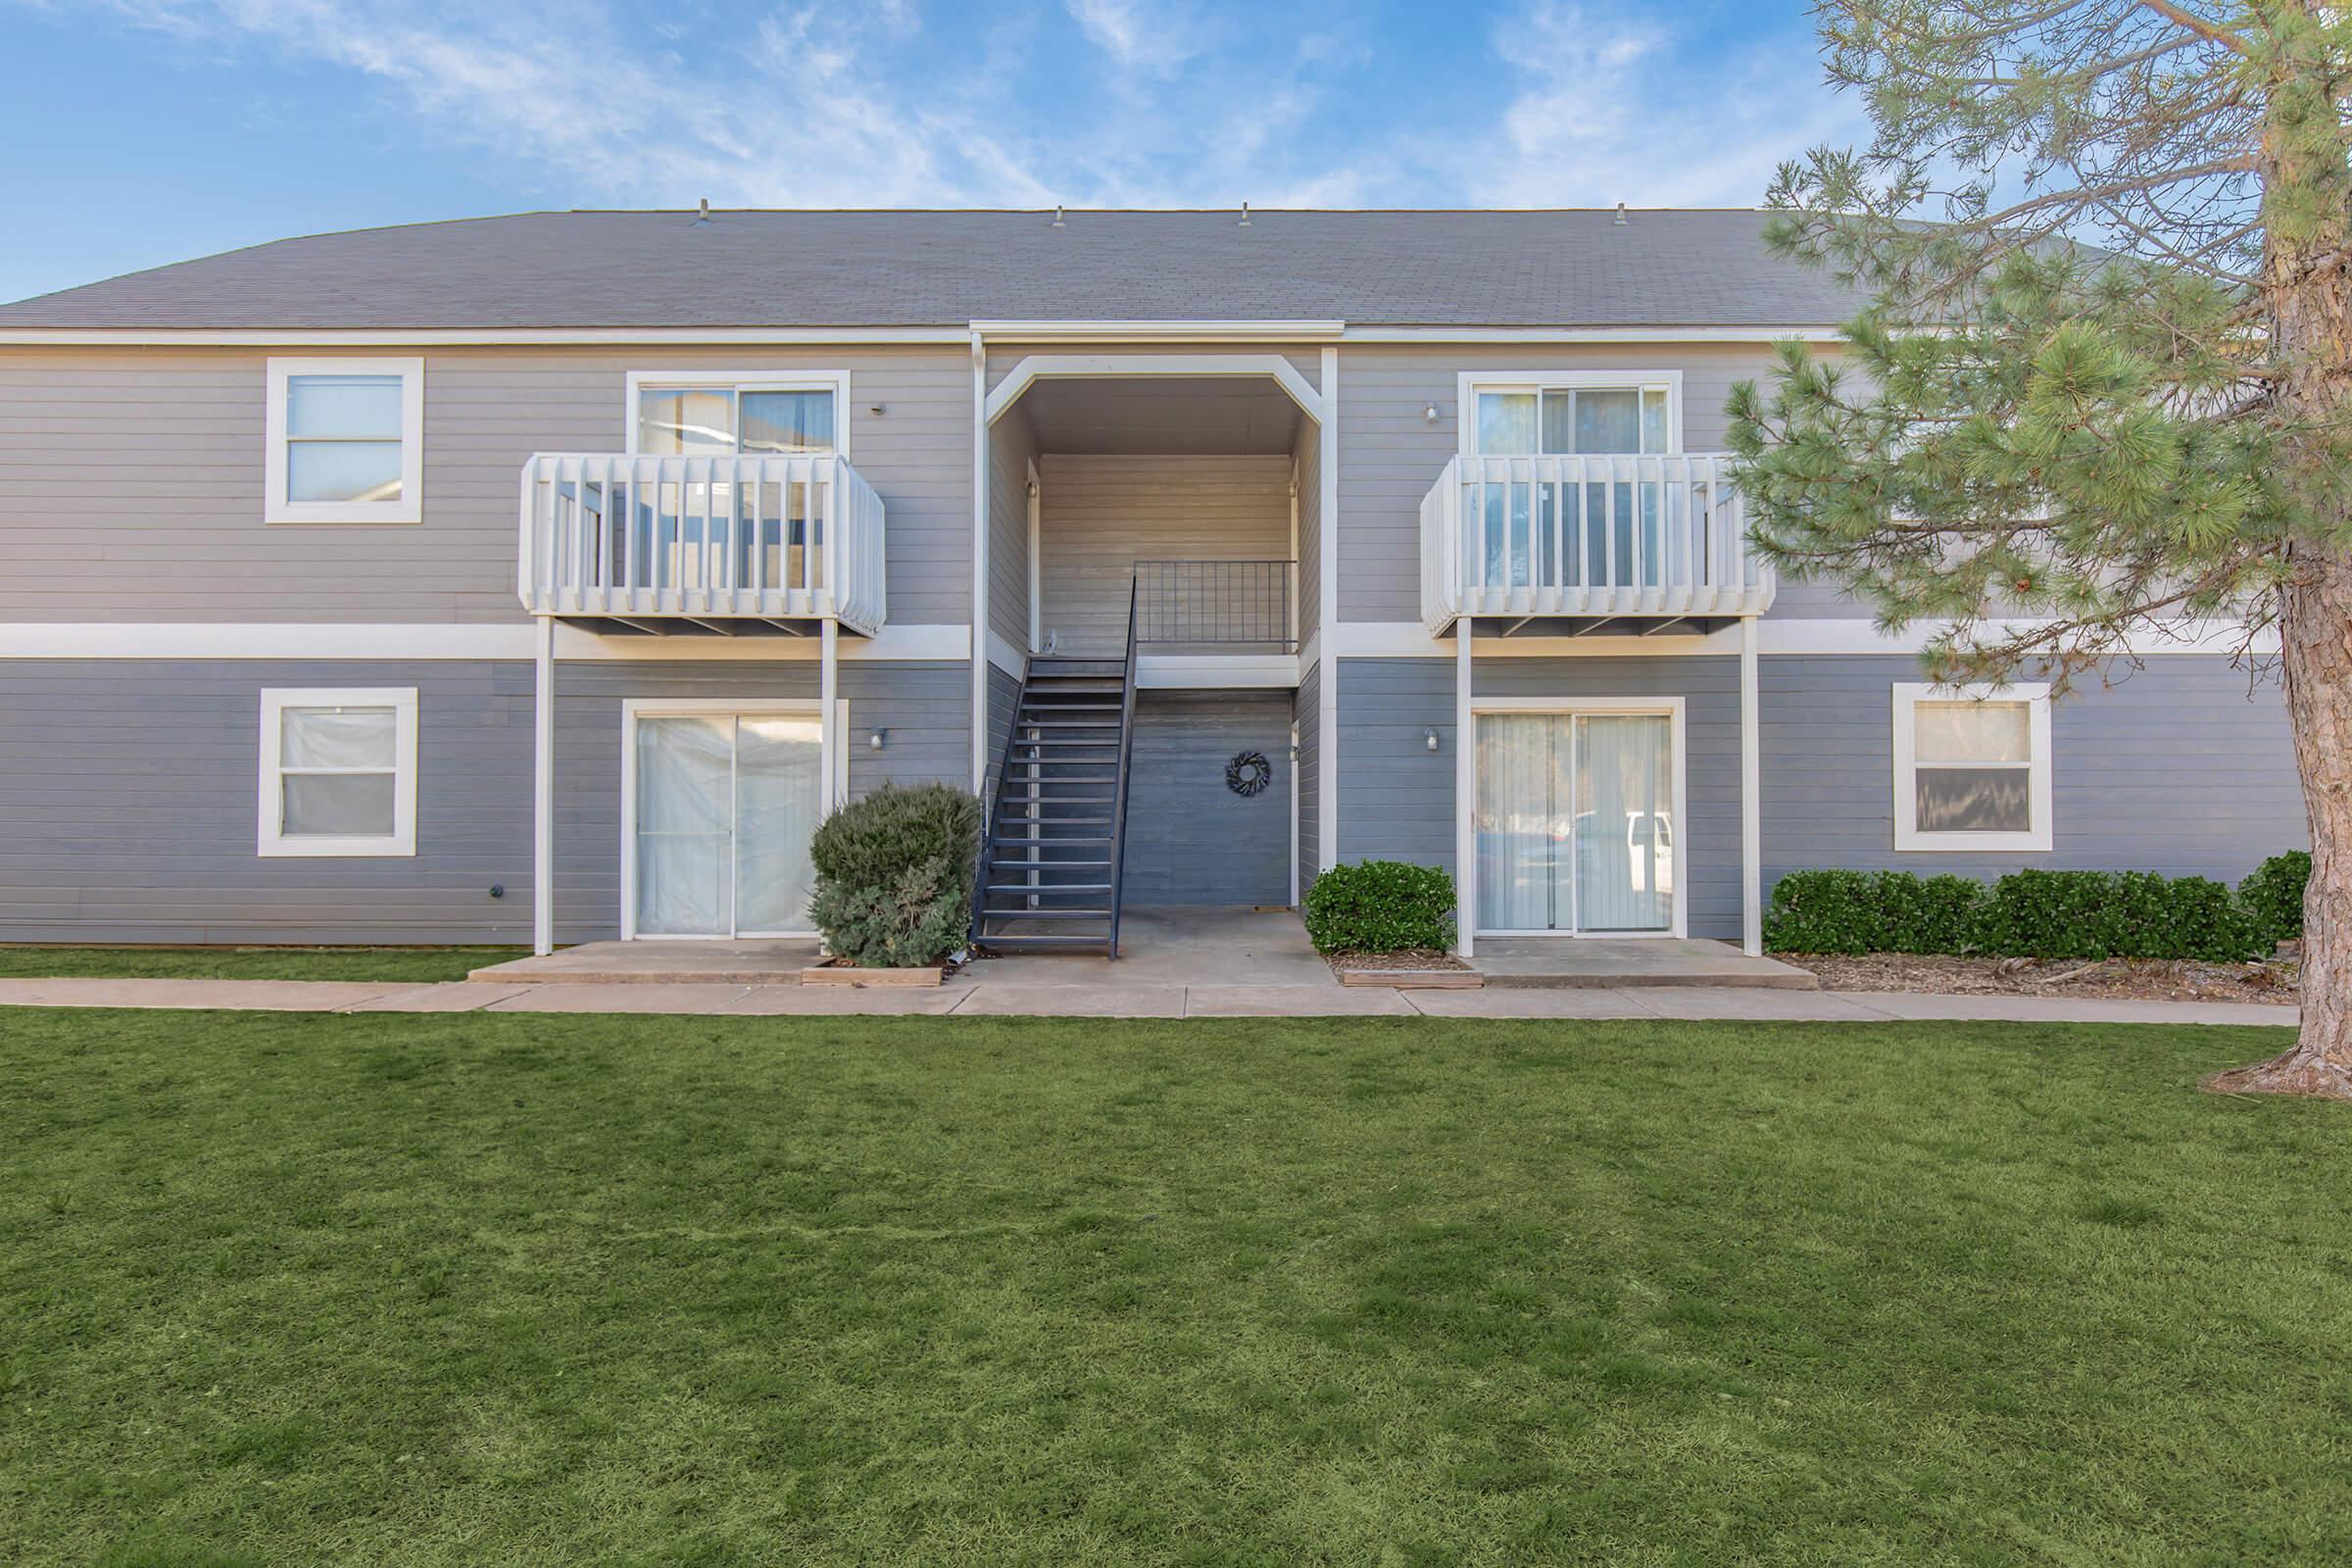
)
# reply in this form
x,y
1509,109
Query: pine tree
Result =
x,y
2102,389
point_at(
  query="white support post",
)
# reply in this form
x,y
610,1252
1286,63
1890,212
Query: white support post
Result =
x,y
1327,620
1751,798
979,650
1465,793
543,791
830,739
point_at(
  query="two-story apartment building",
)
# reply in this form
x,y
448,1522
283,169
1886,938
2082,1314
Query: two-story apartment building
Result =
x,y
553,574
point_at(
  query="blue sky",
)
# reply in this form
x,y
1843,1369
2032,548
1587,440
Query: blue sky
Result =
x,y
180,128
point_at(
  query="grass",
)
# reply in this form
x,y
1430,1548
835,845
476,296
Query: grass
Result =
x,y
422,966
488,1289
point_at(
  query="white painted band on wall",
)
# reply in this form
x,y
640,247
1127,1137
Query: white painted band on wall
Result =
x,y
911,644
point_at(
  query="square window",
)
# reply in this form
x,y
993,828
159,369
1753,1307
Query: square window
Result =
x,y
346,441
338,771
1972,768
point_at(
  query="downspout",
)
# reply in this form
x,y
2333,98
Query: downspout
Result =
x,y
1465,792
543,790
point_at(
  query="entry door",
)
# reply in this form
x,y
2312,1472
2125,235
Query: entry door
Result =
x,y
726,807
1574,823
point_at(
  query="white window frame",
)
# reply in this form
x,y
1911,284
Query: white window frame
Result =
x,y
1908,837
271,839
833,766
836,382
1470,383
408,508
1672,708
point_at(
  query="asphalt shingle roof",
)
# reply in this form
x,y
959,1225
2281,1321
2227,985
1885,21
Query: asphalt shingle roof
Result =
x,y
934,269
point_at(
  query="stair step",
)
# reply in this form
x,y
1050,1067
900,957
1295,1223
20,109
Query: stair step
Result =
x,y
1046,889
1048,915
1067,724
1000,842
1041,942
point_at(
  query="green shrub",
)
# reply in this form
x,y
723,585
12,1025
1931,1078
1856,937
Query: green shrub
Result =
x,y
2273,893
1380,906
894,875
1821,911
2037,914
2106,914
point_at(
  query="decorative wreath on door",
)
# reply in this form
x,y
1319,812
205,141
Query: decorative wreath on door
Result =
x,y
1248,773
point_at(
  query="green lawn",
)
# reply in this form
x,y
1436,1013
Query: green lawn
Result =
x,y
422,966
486,1289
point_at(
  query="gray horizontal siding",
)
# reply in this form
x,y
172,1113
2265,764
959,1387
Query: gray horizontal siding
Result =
x,y
1191,838
2181,767
1101,514
1011,447
129,794
171,529
1004,699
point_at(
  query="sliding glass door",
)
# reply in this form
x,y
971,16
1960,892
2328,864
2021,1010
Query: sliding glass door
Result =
x,y
1574,823
725,805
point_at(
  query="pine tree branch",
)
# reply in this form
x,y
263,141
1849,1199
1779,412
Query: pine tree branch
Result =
x,y
2197,24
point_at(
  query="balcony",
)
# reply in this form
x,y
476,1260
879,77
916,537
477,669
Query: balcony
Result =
x,y
726,544
1589,539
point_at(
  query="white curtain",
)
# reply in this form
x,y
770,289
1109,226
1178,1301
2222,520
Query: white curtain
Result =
x,y
685,826
357,750
777,774
1624,856
1574,823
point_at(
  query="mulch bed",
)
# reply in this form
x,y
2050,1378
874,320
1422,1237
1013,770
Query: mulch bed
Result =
x,y
1414,958
2129,979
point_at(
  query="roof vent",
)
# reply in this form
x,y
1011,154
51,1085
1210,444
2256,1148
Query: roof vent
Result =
x,y
1620,217
1058,215
1244,224
702,215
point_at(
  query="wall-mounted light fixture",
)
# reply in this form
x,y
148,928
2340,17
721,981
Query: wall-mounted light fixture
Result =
x,y
1429,414
874,741
1430,739
878,410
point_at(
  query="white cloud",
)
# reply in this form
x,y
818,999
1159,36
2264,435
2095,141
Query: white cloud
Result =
x,y
1136,36
1605,109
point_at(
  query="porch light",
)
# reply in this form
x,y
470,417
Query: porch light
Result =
x,y
1429,414
1430,739
874,741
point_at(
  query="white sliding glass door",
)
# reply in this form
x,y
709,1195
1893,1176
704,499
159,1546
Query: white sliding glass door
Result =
x,y
723,808
1575,822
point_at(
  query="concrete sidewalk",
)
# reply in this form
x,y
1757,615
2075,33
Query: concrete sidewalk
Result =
x,y
1012,999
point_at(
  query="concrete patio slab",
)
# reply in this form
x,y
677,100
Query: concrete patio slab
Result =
x,y
1179,947
1099,1000
749,961
455,996
1576,1001
1569,961
2069,1009
1758,1003
268,996
597,997
846,1001
1294,1001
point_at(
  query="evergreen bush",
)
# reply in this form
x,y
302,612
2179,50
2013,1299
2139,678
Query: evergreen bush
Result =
x,y
1380,906
2034,914
894,875
2273,893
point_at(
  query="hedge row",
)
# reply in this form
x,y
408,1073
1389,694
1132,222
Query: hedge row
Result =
x,y
2039,914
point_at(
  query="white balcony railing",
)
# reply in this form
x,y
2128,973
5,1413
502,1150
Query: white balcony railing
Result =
x,y
735,537
1598,536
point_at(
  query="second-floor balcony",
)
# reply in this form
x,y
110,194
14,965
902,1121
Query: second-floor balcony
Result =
x,y
718,543
1588,539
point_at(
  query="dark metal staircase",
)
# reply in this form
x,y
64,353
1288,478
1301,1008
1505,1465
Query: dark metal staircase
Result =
x,y
1049,875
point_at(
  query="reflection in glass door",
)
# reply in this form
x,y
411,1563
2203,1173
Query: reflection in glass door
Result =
x,y
1574,823
725,808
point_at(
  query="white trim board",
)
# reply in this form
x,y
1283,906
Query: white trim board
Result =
x,y
1217,672
1197,332
910,644
1788,637
1035,368
2037,834
1006,657
944,335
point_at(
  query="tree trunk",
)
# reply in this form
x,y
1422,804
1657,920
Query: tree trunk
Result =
x,y
2307,250
2316,655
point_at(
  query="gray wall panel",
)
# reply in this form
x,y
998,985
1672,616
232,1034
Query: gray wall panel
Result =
x,y
175,532
2181,767
1307,715
1010,448
1190,839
